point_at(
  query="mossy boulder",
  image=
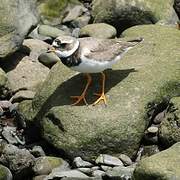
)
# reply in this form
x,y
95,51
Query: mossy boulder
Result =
x,y
163,165
17,18
169,132
134,81
123,14
53,11
5,173
98,30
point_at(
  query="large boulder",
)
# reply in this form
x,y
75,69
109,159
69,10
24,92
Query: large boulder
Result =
x,y
17,18
163,165
134,81
123,14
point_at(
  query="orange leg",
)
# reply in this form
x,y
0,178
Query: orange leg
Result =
x,y
82,96
101,95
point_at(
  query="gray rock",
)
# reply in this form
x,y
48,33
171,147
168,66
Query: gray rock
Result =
x,y
3,81
98,30
41,177
106,168
19,161
46,164
48,59
153,130
5,173
176,6
37,151
125,159
108,160
159,117
91,178
98,173
78,162
15,26
121,173
71,173
24,76
22,95
7,133
36,47
163,165
81,21
94,168
87,171
123,14
150,150
50,31
74,13
169,132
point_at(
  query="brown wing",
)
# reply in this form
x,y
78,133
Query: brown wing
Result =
x,y
104,49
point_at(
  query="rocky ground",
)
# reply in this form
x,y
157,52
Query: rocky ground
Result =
x,y
43,137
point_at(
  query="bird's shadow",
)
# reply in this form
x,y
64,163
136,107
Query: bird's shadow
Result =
x,y
75,85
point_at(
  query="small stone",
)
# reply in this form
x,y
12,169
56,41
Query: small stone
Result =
x,y
70,173
37,151
152,129
8,134
50,31
81,163
48,59
98,173
125,159
108,160
159,117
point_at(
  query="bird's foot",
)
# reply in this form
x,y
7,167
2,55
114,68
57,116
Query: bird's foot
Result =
x,y
79,99
102,97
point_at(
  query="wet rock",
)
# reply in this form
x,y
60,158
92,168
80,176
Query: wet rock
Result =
x,y
122,14
121,173
48,59
71,173
24,76
98,173
19,161
50,31
125,159
169,132
78,162
98,30
5,173
37,151
163,165
35,47
15,26
108,160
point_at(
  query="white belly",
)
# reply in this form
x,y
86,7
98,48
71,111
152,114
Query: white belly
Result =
x,y
92,66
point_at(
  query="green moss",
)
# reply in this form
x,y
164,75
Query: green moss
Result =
x,y
54,161
54,8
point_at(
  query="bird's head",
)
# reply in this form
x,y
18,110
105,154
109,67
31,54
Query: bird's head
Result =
x,y
64,46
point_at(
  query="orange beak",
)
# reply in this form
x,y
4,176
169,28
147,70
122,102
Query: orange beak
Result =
x,y
51,49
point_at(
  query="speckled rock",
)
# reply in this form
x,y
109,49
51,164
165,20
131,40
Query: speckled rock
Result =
x,y
163,165
123,14
98,30
16,19
119,127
